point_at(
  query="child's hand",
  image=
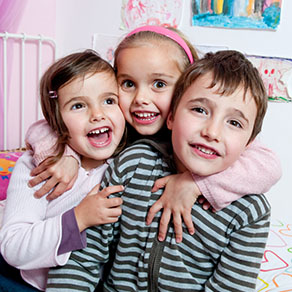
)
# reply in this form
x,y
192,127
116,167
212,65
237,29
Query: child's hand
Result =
x,y
96,208
60,177
179,196
205,204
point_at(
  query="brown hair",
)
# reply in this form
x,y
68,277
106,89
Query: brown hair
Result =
x,y
230,70
60,74
144,37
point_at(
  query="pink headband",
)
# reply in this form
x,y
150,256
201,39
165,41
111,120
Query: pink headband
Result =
x,y
166,32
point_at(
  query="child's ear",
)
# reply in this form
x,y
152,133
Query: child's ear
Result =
x,y
169,121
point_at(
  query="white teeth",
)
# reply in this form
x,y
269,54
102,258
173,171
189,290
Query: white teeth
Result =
x,y
207,151
102,130
145,115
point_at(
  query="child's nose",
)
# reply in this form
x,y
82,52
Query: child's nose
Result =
x,y
142,96
96,115
212,130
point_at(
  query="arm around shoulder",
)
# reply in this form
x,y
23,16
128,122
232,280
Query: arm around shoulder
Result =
x,y
255,172
41,139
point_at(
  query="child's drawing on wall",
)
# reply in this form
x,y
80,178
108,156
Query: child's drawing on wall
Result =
x,y
105,45
258,14
277,76
150,12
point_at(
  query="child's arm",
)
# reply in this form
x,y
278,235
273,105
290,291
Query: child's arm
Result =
x,y
26,227
41,140
87,262
180,194
95,209
255,172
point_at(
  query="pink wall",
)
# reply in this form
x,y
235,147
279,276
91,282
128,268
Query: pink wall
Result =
x,y
36,17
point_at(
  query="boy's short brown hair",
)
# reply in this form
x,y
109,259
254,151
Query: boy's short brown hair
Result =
x,y
230,69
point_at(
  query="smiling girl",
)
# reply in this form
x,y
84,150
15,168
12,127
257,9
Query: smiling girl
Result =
x,y
148,63
79,97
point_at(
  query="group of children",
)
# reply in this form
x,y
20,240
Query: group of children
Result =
x,y
157,131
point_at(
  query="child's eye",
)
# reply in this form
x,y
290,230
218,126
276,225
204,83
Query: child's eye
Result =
x,y
159,84
200,110
235,123
77,106
127,84
110,101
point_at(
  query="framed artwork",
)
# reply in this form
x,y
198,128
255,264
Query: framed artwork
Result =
x,y
276,72
136,13
277,76
247,14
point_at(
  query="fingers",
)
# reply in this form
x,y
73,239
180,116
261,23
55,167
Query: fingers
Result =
x,y
177,224
187,217
60,186
38,179
112,216
57,192
160,183
111,190
110,202
203,201
94,190
114,213
152,211
47,187
71,183
113,203
39,169
163,225
206,205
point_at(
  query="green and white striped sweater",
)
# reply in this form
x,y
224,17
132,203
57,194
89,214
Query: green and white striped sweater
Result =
x,y
224,254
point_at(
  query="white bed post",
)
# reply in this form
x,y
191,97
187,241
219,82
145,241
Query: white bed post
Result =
x,y
40,56
24,38
5,91
21,142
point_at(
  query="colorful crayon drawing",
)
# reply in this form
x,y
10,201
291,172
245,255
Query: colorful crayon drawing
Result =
x,y
256,14
277,76
150,12
276,268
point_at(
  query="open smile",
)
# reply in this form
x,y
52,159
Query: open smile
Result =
x,y
204,151
100,137
145,117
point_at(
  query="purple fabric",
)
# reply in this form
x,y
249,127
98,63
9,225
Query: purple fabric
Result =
x,y
72,239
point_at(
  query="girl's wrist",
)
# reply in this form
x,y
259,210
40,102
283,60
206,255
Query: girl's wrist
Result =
x,y
78,216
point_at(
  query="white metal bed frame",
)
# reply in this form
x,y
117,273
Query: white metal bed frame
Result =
x,y
24,38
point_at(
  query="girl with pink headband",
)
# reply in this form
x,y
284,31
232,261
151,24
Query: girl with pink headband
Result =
x,y
170,34
148,62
